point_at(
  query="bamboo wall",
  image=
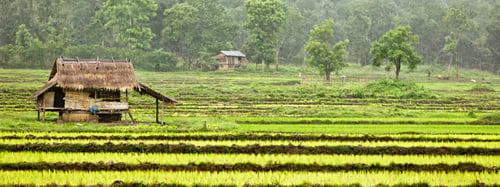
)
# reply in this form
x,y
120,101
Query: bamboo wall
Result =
x,y
75,100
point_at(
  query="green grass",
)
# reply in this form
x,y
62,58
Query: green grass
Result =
x,y
225,98
270,103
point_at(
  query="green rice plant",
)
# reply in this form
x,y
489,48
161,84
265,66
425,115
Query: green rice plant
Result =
x,y
261,159
245,178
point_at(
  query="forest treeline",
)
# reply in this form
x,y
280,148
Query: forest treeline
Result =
x,y
169,35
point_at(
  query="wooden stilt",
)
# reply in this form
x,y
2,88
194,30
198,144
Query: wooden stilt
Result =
x,y
128,110
38,115
43,114
162,112
131,118
157,121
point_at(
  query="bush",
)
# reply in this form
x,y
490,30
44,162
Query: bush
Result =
x,y
396,89
482,88
158,60
489,119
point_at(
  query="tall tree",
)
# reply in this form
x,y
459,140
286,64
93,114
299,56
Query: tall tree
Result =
x,y
493,40
265,17
130,18
425,17
356,30
292,38
322,55
196,30
457,23
180,32
396,47
86,23
30,50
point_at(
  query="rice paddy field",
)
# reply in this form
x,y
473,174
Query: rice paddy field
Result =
x,y
244,128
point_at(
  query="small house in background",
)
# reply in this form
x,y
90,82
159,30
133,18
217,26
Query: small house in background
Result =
x,y
230,60
92,90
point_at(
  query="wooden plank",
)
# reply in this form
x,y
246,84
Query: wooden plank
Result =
x,y
108,105
77,100
48,99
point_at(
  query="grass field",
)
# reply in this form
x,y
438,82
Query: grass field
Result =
x,y
265,129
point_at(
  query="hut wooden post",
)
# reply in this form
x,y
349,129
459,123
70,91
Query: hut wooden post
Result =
x,y
43,114
131,118
162,111
43,108
38,115
157,121
126,99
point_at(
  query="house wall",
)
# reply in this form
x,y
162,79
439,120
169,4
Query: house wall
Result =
x,y
77,100
230,62
78,103
45,101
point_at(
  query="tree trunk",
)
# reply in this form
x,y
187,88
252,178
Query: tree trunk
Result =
x,y
304,59
451,61
262,65
453,53
398,67
327,74
277,53
277,58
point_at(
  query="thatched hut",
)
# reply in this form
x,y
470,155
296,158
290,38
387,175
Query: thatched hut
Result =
x,y
230,60
91,90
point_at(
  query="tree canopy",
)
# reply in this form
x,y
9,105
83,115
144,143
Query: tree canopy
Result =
x,y
451,32
322,55
396,48
129,18
265,17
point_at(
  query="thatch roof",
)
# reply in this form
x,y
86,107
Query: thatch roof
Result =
x,y
79,74
47,86
94,74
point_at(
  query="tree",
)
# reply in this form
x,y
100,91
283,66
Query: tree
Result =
x,y
30,50
129,18
396,47
493,40
356,30
23,37
180,32
425,20
323,56
457,23
196,30
264,20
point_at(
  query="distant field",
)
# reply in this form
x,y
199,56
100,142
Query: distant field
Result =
x,y
267,129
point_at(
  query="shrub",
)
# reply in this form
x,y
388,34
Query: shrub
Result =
x,y
489,119
482,88
397,89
